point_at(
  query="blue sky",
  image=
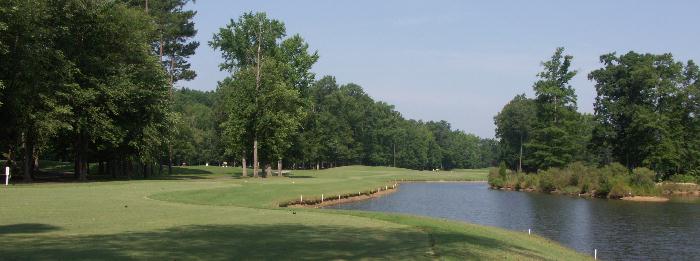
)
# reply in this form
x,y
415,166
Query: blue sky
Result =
x,y
459,61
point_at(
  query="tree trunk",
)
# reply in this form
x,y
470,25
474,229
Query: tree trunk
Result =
x,y
520,161
279,168
28,157
394,155
244,166
112,168
170,158
129,168
145,170
122,166
257,89
255,158
36,159
80,162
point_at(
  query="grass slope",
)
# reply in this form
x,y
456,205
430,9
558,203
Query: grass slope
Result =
x,y
231,218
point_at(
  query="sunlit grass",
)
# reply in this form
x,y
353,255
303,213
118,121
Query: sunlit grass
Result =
x,y
227,217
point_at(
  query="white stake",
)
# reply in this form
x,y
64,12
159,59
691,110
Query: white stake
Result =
x,y
7,176
321,198
595,254
528,231
386,187
301,198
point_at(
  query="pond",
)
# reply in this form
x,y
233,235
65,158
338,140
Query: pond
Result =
x,y
620,230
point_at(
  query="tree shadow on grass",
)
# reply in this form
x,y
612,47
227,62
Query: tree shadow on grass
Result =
x,y
269,242
300,177
26,228
179,173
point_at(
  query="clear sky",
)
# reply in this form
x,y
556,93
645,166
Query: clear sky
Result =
x,y
459,61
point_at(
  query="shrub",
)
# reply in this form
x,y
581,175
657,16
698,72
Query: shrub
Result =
x,y
494,178
619,188
611,177
614,169
680,178
502,170
546,181
572,190
643,177
531,181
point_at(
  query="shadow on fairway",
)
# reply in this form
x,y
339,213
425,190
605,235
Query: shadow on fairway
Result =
x,y
272,242
26,228
300,177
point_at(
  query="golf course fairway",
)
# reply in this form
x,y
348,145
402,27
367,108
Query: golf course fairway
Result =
x,y
210,213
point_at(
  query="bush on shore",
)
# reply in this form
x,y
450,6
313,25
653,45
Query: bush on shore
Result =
x,y
609,181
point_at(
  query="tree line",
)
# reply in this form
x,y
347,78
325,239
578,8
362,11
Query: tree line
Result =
x,y
343,126
272,109
646,115
92,82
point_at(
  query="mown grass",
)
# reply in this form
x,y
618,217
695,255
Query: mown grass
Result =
x,y
225,217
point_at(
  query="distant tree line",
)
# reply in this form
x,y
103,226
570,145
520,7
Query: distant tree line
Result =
x,y
646,115
342,126
272,110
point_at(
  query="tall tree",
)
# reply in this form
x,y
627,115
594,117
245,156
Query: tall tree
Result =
x,y
244,44
640,109
514,127
172,41
553,143
253,46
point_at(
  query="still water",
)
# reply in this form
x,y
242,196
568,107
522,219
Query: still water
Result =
x,y
620,230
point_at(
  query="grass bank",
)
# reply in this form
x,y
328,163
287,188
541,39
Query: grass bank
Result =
x,y
208,213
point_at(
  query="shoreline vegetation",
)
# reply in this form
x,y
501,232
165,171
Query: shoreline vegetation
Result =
x,y
612,181
225,217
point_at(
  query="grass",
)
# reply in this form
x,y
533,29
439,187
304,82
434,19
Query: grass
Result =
x,y
209,213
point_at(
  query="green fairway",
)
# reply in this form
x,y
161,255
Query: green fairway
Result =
x,y
209,213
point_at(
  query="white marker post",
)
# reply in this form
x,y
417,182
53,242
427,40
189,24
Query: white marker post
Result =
x,y
301,198
528,231
7,176
595,254
321,198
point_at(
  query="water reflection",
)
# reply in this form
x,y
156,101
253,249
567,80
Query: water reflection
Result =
x,y
620,230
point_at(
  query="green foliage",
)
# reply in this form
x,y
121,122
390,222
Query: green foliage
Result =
x,y
83,82
262,100
645,109
170,39
610,181
195,141
555,138
547,131
643,177
495,178
514,126
684,178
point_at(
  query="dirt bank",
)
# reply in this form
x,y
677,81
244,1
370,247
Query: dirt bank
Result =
x,y
646,199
